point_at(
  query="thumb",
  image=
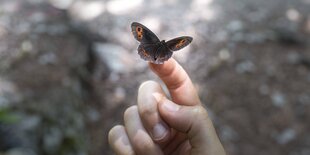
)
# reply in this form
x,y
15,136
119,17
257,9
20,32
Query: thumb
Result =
x,y
194,122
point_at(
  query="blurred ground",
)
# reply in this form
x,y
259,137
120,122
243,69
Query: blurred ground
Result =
x,y
69,68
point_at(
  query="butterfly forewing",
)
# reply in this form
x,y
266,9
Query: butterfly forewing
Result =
x,y
178,43
143,34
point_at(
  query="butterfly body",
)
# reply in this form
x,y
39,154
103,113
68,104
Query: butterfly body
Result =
x,y
152,49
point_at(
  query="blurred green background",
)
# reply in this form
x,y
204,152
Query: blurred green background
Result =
x,y
69,69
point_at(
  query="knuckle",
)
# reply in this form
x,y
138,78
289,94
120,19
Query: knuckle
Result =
x,y
147,84
143,145
200,113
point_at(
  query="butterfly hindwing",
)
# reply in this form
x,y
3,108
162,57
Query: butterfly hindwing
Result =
x,y
178,43
147,51
163,54
154,53
143,34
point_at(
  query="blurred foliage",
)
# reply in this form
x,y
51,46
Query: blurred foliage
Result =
x,y
7,116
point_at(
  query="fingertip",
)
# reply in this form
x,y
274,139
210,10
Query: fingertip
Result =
x,y
169,112
130,111
146,101
119,142
179,117
114,133
158,96
146,85
169,107
115,128
137,134
163,68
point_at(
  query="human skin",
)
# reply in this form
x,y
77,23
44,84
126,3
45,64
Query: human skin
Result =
x,y
160,126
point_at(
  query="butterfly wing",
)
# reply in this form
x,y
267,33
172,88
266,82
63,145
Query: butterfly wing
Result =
x,y
143,34
163,54
178,43
147,51
154,53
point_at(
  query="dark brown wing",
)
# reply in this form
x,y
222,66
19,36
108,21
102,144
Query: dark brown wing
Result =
x,y
156,54
147,51
162,55
178,43
143,34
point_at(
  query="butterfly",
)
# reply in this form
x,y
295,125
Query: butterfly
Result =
x,y
152,49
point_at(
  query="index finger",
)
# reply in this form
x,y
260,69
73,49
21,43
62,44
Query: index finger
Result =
x,y
179,84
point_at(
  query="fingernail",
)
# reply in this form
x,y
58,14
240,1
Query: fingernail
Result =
x,y
159,131
157,96
171,106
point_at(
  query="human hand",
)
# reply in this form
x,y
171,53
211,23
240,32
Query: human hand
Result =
x,y
159,126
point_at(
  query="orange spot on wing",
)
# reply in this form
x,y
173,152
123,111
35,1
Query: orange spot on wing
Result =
x,y
139,31
181,43
145,53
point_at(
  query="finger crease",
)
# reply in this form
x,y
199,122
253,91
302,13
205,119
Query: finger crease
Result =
x,y
190,128
176,83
